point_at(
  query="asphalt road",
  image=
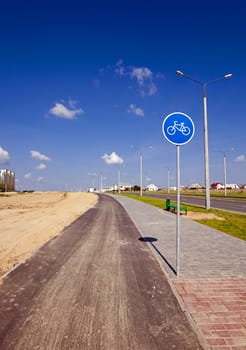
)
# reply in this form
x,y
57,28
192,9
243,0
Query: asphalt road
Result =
x,y
95,286
238,206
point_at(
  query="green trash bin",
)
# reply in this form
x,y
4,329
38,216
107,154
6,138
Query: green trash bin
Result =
x,y
168,202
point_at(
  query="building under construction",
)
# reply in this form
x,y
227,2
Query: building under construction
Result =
x,y
7,180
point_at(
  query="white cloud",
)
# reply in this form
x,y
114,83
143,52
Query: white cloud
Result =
x,y
239,159
120,69
39,156
28,176
112,158
62,111
149,90
41,166
152,89
40,179
144,78
142,74
4,156
135,110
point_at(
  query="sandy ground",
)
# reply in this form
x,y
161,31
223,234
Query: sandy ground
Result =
x,y
29,220
200,216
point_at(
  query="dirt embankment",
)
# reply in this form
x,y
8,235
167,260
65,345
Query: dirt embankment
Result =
x,y
28,220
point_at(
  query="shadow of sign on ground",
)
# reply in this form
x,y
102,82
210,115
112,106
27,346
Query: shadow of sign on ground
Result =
x,y
151,240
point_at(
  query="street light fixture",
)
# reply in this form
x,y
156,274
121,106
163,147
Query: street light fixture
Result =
x,y
206,157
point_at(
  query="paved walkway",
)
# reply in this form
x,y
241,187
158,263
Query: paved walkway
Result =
x,y
211,286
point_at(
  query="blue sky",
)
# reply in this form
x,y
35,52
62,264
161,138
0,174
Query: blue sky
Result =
x,y
85,86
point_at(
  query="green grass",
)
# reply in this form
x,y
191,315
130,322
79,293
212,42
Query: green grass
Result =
x,y
232,223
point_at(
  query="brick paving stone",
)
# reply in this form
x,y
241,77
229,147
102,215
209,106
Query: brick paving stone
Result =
x,y
216,341
223,347
217,307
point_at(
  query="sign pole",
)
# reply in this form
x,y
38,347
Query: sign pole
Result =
x,y
178,210
178,128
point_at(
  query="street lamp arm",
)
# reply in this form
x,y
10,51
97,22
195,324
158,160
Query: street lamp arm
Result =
x,y
226,76
178,72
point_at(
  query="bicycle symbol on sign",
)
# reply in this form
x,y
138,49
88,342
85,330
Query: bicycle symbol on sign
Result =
x,y
185,130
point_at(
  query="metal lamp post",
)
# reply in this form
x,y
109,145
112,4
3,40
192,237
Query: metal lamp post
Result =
x,y
224,170
206,156
168,181
141,173
118,181
225,175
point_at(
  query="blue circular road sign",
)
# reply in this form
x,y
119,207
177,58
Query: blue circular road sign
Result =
x,y
178,128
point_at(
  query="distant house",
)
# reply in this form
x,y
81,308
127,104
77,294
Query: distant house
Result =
x,y
195,187
151,187
122,187
217,186
92,189
232,187
220,186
